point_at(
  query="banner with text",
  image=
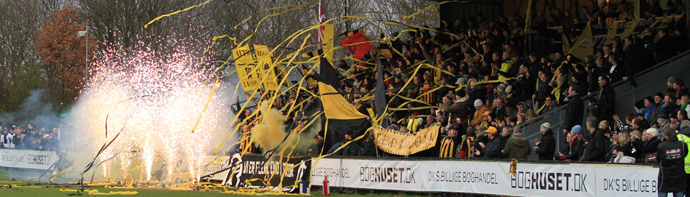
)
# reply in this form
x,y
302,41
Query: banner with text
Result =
x,y
627,181
486,177
216,164
246,68
29,159
264,62
401,144
255,171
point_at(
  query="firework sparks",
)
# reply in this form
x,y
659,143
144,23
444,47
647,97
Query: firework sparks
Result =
x,y
157,98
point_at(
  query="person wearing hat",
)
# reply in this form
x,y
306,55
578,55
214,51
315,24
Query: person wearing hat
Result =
x,y
547,146
493,148
480,110
575,146
518,146
448,143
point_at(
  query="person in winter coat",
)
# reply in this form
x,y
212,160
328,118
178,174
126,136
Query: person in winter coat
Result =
x,y
504,136
349,150
671,155
575,109
595,150
576,144
647,144
606,105
460,108
546,147
518,146
479,112
493,148
624,147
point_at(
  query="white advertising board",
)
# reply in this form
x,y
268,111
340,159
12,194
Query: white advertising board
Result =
x,y
486,177
29,159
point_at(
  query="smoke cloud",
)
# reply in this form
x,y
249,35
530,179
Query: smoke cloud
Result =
x,y
35,110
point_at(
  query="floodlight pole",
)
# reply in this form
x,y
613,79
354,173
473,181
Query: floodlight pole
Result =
x,y
86,65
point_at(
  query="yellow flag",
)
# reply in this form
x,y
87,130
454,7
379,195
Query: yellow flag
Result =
x,y
328,41
265,62
245,65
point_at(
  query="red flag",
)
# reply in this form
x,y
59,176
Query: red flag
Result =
x,y
357,44
322,29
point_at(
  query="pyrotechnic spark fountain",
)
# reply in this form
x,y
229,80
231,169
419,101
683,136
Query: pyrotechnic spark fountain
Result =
x,y
157,99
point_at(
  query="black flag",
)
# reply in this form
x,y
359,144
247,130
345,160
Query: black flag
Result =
x,y
380,94
328,74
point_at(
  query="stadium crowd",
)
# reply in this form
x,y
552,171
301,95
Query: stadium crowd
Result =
x,y
29,138
483,83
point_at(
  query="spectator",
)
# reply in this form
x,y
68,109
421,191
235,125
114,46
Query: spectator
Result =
x,y
481,138
604,127
458,108
683,119
623,148
575,109
649,108
547,146
679,88
465,149
498,107
591,13
543,89
658,104
671,154
518,146
549,105
48,143
576,145
684,136
591,108
662,47
595,149
615,140
349,150
623,127
315,148
480,111
493,148
607,99
448,143
647,144
505,135
669,106
8,139
663,122
654,9
523,108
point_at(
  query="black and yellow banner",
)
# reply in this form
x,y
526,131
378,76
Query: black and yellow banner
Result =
x,y
264,59
394,142
245,65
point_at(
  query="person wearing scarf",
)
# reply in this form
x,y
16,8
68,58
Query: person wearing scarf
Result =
x,y
576,144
